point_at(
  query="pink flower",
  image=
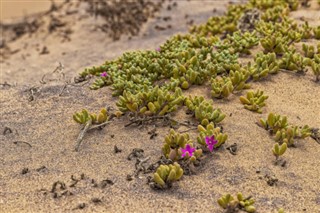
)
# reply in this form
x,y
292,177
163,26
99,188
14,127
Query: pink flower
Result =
x,y
104,74
188,150
210,141
158,49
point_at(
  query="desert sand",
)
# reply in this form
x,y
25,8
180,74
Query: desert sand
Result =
x,y
39,149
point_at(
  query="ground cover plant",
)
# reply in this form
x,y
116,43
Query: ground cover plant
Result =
x,y
171,126
151,83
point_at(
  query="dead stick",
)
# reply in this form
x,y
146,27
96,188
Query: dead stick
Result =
x,y
82,133
99,125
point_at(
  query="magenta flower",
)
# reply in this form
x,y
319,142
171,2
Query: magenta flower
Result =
x,y
188,150
210,141
104,74
158,49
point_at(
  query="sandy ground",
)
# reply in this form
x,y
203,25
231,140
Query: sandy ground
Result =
x,y
29,170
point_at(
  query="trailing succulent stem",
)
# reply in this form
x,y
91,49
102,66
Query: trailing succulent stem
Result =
x,y
88,120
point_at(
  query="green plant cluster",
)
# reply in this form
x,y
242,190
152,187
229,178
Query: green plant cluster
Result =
x,y
284,133
221,24
315,65
268,4
316,32
254,101
153,101
173,143
264,65
210,130
203,110
294,62
275,14
223,61
239,42
309,50
279,37
84,116
150,83
232,205
165,175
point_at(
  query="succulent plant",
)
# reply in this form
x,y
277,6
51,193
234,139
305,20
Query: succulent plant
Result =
x,y
222,24
203,110
315,66
239,42
84,116
316,32
274,122
294,62
232,205
286,135
275,43
275,14
221,87
239,78
223,62
211,130
306,31
254,101
153,101
173,144
279,150
309,51
165,175
265,64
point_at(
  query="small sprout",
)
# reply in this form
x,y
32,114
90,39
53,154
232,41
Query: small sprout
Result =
x,y
254,101
279,150
231,204
304,132
281,210
82,117
286,135
166,175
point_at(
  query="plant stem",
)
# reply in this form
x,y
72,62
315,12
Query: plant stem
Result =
x,y
82,133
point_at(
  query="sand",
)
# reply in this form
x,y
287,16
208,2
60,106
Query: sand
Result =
x,y
40,149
